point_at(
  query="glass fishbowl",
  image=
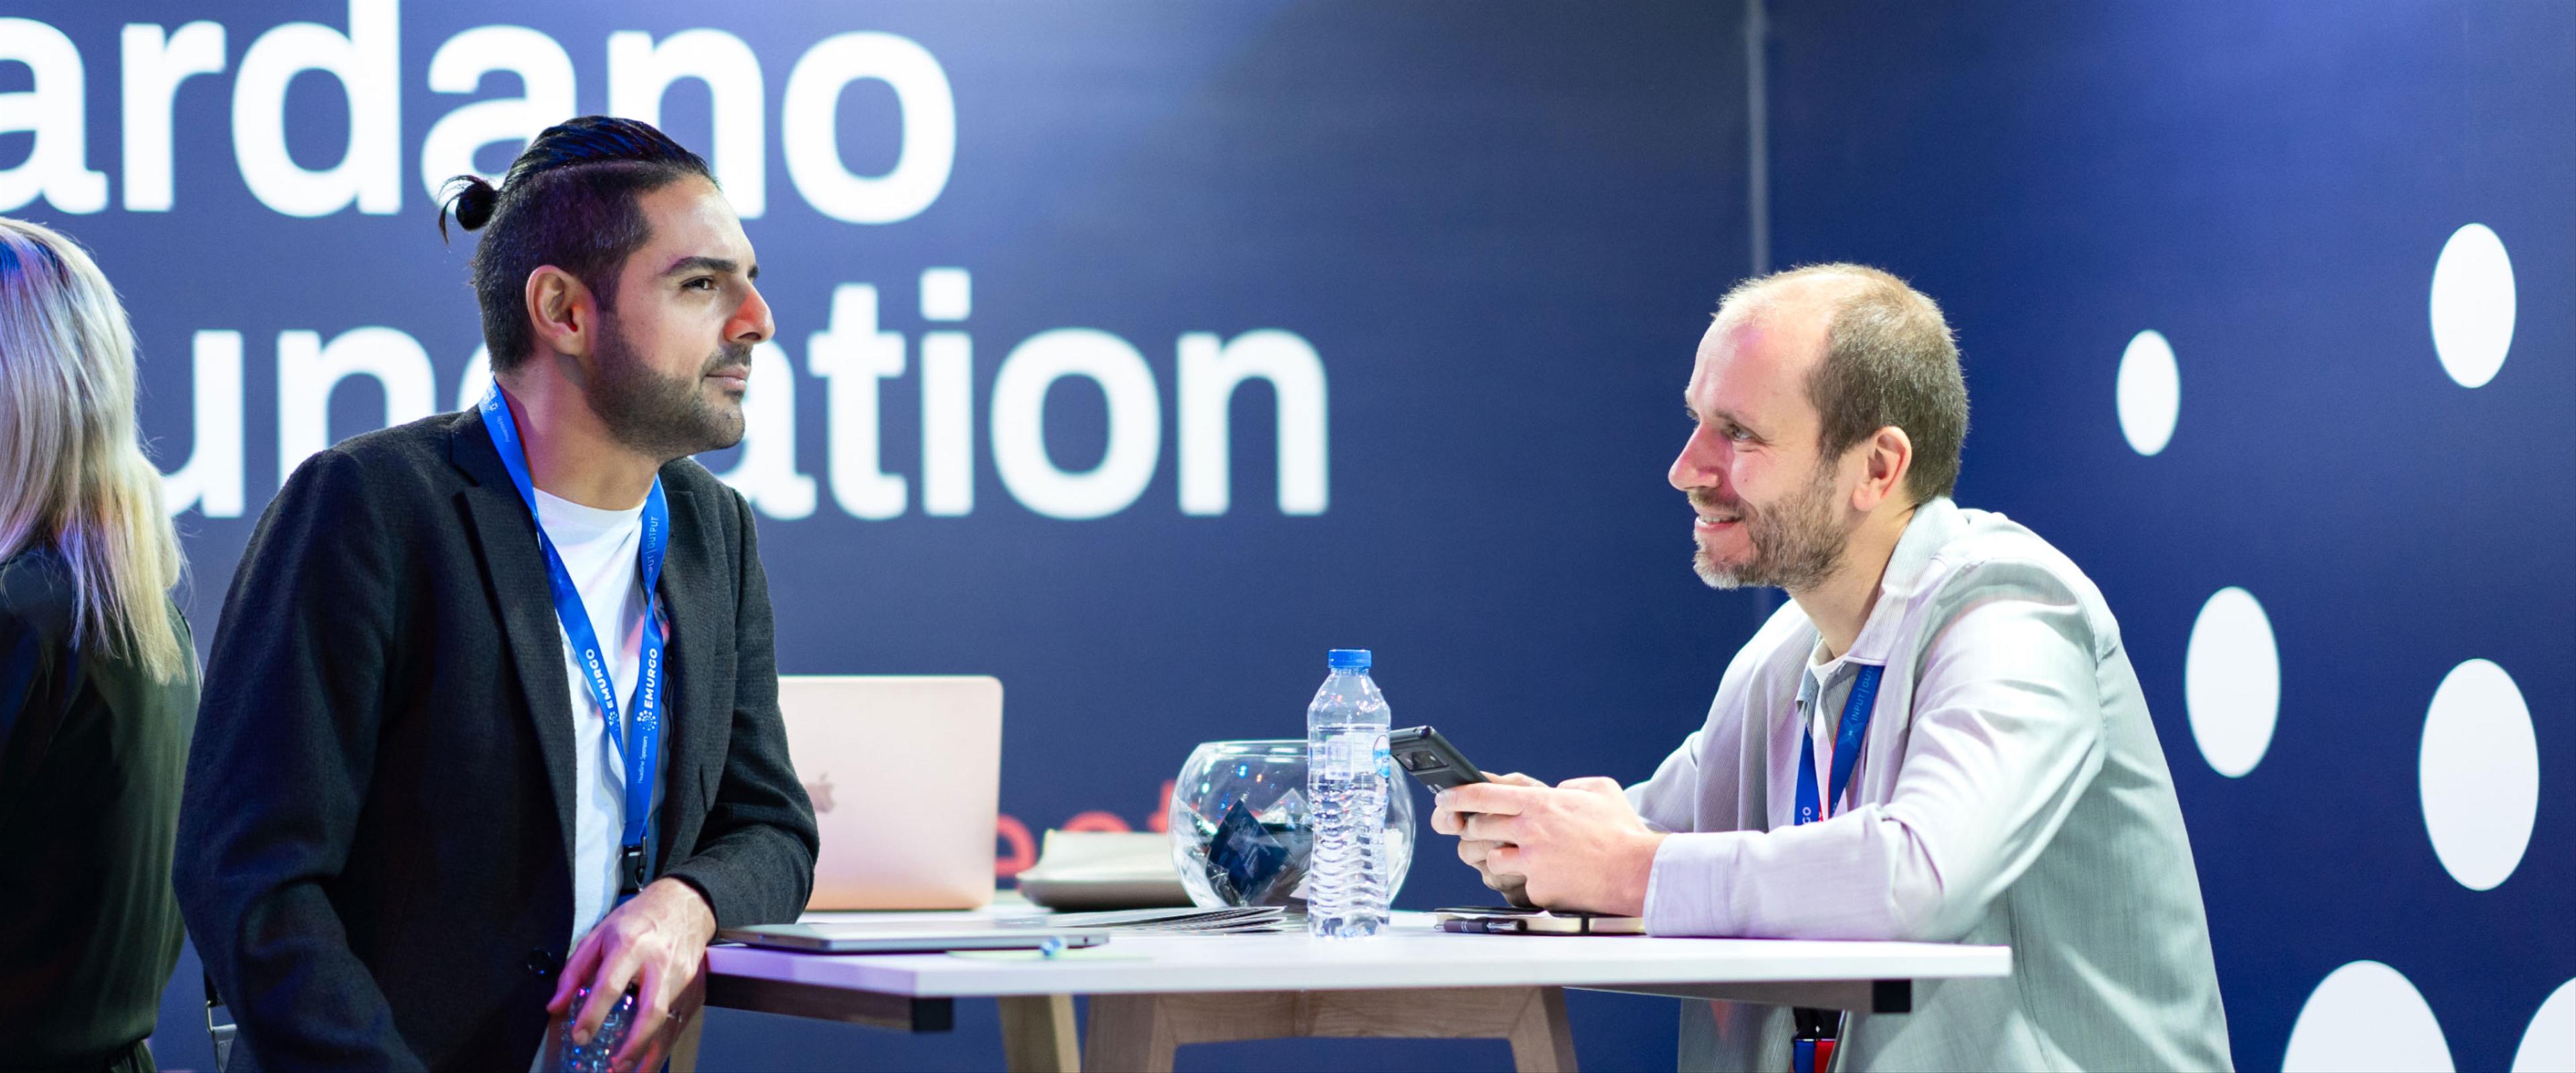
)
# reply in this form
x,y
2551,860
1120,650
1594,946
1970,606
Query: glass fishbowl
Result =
x,y
1242,833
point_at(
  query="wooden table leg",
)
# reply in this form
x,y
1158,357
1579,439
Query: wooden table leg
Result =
x,y
1140,1032
684,1050
1038,1034
1542,1039
1130,1034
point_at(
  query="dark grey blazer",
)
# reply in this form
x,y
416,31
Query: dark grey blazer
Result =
x,y
375,839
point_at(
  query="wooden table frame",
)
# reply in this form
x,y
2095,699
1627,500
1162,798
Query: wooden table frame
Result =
x,y
1141,1032
1137,1019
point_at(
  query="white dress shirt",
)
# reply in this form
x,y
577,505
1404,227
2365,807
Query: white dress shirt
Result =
x,y
2010,790
599,552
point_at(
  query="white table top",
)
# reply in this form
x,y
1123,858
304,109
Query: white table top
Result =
x,y
1410,954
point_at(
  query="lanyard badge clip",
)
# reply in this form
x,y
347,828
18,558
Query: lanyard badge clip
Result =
x,y
1812,1049
630,871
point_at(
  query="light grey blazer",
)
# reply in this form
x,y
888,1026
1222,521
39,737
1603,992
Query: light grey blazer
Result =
x,y
2011,790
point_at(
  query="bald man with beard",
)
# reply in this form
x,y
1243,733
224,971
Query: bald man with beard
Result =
x,y
1938,737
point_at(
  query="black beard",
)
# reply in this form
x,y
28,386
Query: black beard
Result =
x,y
1796,544
657,417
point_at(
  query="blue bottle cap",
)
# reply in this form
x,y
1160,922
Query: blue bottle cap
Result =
x,y
1348,659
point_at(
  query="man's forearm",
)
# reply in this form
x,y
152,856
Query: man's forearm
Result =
x,y
1860,875
750,875
1632,873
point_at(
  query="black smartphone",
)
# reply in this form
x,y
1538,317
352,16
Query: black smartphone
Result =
x,y
1432,760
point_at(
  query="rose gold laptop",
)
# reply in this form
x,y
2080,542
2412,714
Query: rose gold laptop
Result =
x,y
905,773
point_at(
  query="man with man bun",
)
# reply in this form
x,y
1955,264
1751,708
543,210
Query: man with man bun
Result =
x,y
491,716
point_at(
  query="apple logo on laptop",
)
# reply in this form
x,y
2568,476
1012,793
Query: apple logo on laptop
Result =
x,y
821,791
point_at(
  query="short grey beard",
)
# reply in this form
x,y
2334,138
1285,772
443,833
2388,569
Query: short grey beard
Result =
x,y
660,418
1796,545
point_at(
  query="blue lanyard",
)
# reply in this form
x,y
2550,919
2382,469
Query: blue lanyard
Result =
x,y
638,744
1855,723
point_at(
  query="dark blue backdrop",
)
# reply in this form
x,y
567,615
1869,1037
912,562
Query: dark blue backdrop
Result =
x,y
1500,229
2268,186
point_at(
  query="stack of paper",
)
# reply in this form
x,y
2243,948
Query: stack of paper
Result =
x,y
1104,870
1169,921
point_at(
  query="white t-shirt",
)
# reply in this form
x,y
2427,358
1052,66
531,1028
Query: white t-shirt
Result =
x,y
598,549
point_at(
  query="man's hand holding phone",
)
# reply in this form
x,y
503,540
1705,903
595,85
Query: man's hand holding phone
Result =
x,y
1576,845
1447,821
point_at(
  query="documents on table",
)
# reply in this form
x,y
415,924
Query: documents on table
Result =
x,y
911,936
1104,870
1259,918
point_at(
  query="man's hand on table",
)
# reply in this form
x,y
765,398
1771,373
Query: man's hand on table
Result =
x,y
656,941
1578,845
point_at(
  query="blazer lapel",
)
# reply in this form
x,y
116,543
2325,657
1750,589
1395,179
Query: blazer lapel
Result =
x,y
517,571
693,731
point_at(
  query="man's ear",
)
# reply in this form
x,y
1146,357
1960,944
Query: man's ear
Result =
x,y
561,311
1889,456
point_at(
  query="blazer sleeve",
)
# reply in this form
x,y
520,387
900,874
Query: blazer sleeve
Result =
x,y
1669,800
2005,736
285,745
754,859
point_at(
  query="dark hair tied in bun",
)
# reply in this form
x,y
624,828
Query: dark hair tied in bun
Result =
x,y
573,204
472,199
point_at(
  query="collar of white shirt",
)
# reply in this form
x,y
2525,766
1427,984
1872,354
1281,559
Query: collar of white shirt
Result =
x,y
1933,526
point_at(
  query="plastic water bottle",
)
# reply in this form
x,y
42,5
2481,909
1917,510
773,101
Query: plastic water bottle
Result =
x,y
1346,784
592,1057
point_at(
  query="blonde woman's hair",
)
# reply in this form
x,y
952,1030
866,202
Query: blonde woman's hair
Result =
x,y
72,471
